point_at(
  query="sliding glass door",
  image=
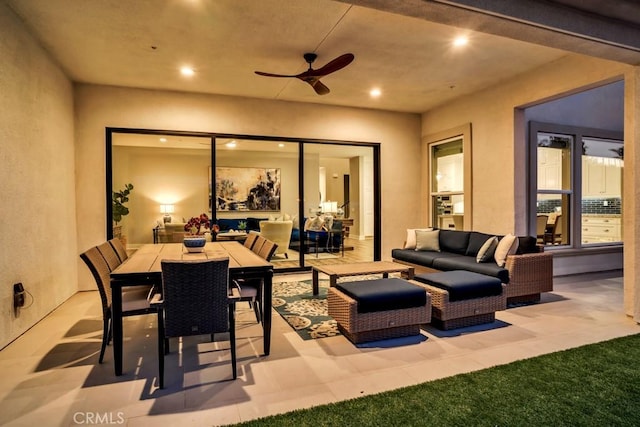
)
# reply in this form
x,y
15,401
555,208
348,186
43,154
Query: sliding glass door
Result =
x,y
317,200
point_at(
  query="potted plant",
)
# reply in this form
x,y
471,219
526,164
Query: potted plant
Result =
x,y
118,209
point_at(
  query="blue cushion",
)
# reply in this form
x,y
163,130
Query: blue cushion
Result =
x,y
454,241
425,258
384,294
462,285
226,224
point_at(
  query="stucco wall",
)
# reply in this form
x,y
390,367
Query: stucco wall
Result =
x,y
37,231
98,107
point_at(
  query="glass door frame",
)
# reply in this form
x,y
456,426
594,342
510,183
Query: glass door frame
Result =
x,y
375,146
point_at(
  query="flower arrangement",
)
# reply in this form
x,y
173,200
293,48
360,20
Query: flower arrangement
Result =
x,y
198,224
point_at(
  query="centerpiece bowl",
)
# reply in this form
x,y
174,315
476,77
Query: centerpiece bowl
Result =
x,y
194,243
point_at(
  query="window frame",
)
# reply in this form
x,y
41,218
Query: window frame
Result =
x,y
575,193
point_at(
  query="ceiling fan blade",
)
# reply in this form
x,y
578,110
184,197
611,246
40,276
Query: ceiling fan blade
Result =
x,y
320,88
332,66
262,73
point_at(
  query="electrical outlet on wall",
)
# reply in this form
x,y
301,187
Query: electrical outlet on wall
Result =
x,y
18,296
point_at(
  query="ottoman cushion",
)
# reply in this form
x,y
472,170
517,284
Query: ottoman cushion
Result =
x,y
384,294
462,285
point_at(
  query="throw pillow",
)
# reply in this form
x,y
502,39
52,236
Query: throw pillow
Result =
x,y
314,224
428,240
487,250
410,242
508,245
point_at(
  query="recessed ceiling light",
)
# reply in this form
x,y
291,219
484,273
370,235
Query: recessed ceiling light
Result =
x,y
231,144
187,71
375,92
163,139
281,145
460,41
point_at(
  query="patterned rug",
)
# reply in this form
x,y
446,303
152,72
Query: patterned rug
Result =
x,y
304,312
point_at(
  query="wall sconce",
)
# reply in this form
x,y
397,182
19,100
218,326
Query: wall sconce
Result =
x,y
167,210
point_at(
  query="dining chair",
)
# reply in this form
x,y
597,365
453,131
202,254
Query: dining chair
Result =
x,y
117,246
110,255
251,239
257,245
268,249
135,301
196,300
251,289
557,231
541,227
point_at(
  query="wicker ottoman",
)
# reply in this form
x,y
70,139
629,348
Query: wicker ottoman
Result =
x,y
463,298
371,310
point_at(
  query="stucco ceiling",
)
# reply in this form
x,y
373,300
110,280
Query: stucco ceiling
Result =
x,y
143,44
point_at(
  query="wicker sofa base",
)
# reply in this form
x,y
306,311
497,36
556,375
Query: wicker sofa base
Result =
x,y
463,322
457,314
380,334
363,327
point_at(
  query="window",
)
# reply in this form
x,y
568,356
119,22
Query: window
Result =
x,y
447,184
577,185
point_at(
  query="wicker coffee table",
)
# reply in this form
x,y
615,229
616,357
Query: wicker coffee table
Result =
x,y
359,268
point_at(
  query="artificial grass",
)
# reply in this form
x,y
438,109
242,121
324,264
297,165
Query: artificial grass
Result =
x,y
593,385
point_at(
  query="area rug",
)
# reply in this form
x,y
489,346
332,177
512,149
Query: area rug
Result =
x,y
304,312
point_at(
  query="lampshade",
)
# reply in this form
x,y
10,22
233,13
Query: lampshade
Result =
x,y
167,209
329,207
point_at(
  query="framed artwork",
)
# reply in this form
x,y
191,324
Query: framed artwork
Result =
x,y
247,189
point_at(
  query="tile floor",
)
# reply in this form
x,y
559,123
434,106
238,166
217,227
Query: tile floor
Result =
x,y
50,375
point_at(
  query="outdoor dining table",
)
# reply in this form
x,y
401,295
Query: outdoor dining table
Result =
x,y
144,267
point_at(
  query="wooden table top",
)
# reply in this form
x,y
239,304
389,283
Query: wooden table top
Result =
x,y
149,257
352,269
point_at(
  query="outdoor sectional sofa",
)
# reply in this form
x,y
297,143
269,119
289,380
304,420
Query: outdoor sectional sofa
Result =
x,y
526,273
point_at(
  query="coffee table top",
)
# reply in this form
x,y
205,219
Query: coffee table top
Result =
x,y
352,269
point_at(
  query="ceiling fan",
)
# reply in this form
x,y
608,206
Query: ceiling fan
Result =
x,y
312,76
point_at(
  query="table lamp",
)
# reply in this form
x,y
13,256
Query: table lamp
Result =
x,y
167,210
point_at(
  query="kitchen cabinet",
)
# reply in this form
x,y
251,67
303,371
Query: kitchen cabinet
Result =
x,y
601,228
601,177
549,168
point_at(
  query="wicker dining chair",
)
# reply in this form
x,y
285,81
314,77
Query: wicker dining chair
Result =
x,y
135,301
117,245
109,254
251,289
196,300
257,245
251,239
267,250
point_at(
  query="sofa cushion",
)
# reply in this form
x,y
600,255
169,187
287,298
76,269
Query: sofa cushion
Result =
x,y
427,240
384,294
469,263
227,224
462,285
527,245
508,245
410,241
425,258
488,249
476,240
454,241
254,223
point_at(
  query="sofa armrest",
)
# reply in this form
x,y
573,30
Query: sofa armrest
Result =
x,y
529,274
